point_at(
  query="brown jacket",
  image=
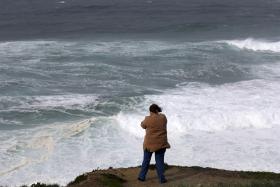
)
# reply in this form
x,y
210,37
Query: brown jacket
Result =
x,y
156,133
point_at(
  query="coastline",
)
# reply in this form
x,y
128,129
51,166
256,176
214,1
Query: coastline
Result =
x,y
177,176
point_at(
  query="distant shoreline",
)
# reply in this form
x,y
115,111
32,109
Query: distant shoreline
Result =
x,y
177,176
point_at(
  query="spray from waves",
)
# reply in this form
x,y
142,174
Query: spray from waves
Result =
x,y
255,44
248,104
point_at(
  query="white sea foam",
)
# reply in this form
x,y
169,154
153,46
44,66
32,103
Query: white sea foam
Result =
x,y
30,148
255,44
231,106
231,126
247,104
62,100
70,101
61,151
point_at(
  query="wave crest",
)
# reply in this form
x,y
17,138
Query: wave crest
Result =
x,y
255,44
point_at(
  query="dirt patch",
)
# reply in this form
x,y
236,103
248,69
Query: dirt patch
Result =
x,y
177,176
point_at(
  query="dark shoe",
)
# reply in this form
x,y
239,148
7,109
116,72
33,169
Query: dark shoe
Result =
x,y
142,180
163,181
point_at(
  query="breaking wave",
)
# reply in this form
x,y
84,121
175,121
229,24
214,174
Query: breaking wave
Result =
x,y
255,44
247,104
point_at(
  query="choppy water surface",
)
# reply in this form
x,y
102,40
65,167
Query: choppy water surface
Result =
x,y
71,104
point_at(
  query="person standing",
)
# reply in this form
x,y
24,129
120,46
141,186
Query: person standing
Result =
x,y
155,141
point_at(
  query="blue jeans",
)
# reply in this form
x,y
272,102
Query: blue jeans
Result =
x,y
159,157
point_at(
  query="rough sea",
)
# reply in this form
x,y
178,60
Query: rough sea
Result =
x,y
77,78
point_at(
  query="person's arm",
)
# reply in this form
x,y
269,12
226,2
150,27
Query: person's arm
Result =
x,y
143,124
165,121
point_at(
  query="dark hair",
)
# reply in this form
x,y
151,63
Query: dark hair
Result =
x,y
155,108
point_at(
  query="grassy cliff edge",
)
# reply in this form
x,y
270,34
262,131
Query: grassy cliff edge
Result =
x,y
177,176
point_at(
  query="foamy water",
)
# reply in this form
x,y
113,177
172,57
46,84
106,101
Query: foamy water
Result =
x,y
256,44
74,106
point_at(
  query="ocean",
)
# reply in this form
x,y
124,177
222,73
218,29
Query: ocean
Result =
x,y
77,78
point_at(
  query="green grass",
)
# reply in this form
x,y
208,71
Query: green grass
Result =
x,y
254,179
38,184
260,175
110,180
252,184
78,179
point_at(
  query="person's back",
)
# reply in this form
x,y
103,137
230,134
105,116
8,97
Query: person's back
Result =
x,y
156,133
155,141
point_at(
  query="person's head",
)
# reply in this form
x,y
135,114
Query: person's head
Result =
x,y
154,108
